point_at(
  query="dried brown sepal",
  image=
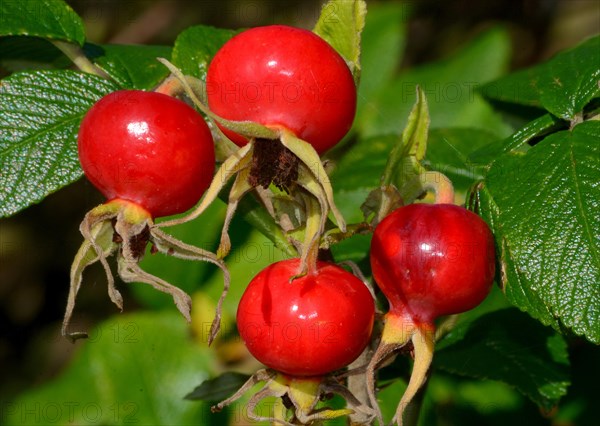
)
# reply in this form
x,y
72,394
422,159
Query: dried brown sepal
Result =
x,y
384,352
99,243
124,229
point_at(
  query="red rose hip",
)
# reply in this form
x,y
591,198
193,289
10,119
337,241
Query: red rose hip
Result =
x,y
308,326
282,76
150,155
147,148
432,259
429,260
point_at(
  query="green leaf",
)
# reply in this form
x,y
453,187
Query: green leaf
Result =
x,y
508,346
541,126
50,19
195,48
570,80
563,85
39,120
404,161
132,370
363,165
132,67
544,209
218,388
341,23
517,87
450,86
448,152
355,249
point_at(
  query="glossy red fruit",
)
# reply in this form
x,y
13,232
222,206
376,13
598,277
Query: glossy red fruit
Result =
x,y
148,148
309,326
432,259
281,76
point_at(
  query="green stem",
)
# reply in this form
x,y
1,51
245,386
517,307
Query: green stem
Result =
x,y
312,234
413,409
577,119
423,343
76,55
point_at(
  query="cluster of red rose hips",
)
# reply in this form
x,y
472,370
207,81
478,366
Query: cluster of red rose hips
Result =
x,y
284,96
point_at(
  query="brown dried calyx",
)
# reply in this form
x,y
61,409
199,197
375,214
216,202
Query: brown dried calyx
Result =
x,y
137,242
273,163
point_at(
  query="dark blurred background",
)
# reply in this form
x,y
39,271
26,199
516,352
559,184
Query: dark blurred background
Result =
x,y
38,244
539,27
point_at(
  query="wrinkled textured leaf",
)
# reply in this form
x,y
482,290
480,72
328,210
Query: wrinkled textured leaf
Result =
x,y
340,24
508,346
563,85
51,19
544,209
132,370
450,86
132,67
218,388
40,114
195,47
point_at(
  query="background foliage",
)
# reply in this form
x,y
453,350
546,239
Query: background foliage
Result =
x,y
518,135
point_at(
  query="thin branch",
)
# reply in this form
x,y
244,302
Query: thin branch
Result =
x,y
76,55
